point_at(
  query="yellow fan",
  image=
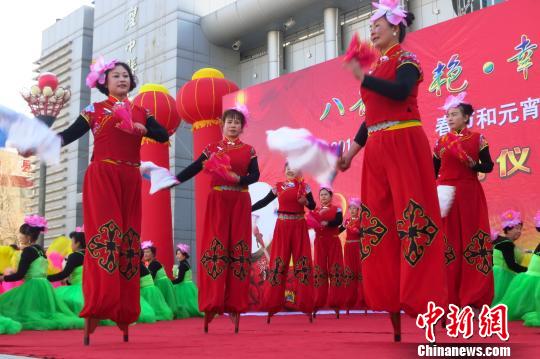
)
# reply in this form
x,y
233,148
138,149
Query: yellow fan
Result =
x,y
6,253
59,249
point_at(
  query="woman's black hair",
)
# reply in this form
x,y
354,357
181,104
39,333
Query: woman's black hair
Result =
x,y
403,29
132,79
32,232
14,246
466,110
235,115
78,237
184,253
327,190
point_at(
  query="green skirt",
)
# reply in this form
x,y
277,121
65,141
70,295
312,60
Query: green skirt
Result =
x,y
532,319
147,313
36,306
502,278
9,326
166,288
522,295
152,295
187,297
72,295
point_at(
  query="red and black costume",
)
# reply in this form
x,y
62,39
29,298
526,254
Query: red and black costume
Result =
x,y
352,264
328,269
225,249
469,255
401,242
112,210
290,238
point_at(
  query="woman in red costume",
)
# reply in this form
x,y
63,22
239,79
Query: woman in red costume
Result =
x,y
352,273
459,156
112,196
328,255
225,249
402,245
290,238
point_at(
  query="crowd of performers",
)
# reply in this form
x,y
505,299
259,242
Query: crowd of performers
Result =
x,y
400,252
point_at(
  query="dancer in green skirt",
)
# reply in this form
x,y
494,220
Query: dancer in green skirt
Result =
x,y
35,304
187,295
523,294
72,294
161,281
506,256
152,295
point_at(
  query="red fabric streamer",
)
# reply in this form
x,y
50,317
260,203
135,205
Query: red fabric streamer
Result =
x,y
313,221
362,52
220,165
452,144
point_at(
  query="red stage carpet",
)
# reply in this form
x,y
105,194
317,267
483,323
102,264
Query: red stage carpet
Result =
x,y
288,336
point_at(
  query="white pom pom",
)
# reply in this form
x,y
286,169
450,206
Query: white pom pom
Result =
x,y
42,99
34,90
47,91
52,99
59,92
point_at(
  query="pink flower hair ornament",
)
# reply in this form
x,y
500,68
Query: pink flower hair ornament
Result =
x,y
36,221
242,108
147,244
354,202
184,248
537,219
391,9
454,101
511,218
97,71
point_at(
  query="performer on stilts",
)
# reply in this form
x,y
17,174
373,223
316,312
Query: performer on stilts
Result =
x,y
328,266
458,158
290,238
225,248
72,293
112,196
402,244
352,273
34,304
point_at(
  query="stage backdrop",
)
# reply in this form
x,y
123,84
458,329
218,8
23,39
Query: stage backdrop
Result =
x,y
492,54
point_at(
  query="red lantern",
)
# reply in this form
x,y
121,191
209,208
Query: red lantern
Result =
x,y
200,98
157,224
156,99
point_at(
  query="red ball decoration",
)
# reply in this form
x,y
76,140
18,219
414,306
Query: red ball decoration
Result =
x,y
47,79
156,99
200,99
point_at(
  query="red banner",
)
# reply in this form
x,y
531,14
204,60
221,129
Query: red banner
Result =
x,y
496,62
